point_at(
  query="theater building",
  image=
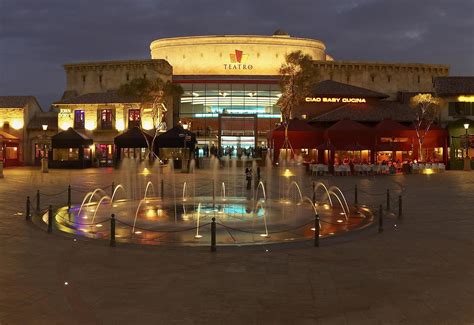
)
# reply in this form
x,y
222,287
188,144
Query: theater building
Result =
x,y
231,87
231,81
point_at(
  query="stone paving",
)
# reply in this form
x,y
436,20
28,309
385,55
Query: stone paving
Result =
x,y
421,272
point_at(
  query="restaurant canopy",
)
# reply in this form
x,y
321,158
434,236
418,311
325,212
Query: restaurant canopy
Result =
x,y
350,135
176,137
7,137
301,135
70,139
133,138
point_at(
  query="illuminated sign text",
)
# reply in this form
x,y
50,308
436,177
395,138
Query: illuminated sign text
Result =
x,y
334,100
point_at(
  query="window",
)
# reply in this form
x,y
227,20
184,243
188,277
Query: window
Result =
x,y
79,119
106,121
66,154
133,118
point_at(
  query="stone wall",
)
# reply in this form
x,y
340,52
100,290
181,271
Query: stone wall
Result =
x,y
97,77
387,78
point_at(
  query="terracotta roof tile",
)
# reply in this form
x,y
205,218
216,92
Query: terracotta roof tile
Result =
x,y
334,88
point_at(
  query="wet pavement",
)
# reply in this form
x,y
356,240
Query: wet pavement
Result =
x,y
419,272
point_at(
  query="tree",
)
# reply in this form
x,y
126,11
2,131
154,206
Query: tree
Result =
x,y
154,96
297,75
426,108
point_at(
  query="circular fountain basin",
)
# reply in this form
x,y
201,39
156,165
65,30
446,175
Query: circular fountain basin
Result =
x,y
240,221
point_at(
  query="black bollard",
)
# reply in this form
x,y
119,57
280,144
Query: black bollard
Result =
x,y
37,200
50,219
113,189
69,197
314,192
28,209
213,235
380,218
399,207
162,189
356,198
317,230
112,230
388,199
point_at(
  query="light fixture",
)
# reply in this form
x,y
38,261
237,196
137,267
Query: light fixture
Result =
x,y
466,126
45,127
185,126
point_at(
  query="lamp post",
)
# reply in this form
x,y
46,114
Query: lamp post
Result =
x,y
467,159
44,159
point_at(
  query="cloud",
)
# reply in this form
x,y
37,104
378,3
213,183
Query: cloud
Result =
x,y
37,37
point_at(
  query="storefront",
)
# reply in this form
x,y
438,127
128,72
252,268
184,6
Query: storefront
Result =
x,y
133,144
70,149
177,145
9,149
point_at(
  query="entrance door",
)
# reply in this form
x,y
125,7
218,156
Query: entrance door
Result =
x,y
237,130
104,153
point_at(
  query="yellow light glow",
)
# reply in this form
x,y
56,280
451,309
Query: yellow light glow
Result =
x,y
287,173
428,171
147,124
120,125
466,99
90,125
17,124
146,171
340,221
65,125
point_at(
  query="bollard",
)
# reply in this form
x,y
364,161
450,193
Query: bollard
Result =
x,y
37,200
356,199
399,207
28,208
162,189
213,235
388,199
1,169
50,219
69,197
112,230
380,218
314,192
113,189
317,230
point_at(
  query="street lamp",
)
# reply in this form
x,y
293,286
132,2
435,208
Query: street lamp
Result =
x,y
467,160
44,159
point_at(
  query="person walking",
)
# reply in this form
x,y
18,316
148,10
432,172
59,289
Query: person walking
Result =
x,y
248,177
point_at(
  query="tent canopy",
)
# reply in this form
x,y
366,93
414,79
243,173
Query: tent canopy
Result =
x,y
176,137
133,138
300,134
70,139
350,135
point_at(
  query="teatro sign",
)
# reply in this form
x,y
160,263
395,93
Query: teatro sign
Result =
x,y
334,100
238,61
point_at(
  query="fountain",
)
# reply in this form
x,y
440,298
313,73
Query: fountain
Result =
x,y
161,220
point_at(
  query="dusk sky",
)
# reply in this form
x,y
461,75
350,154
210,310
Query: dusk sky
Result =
x,y
38,36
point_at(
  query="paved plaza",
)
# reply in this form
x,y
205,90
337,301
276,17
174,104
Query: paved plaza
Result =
x,y
419,272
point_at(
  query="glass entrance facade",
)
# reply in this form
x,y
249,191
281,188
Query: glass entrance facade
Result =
x,y
203,103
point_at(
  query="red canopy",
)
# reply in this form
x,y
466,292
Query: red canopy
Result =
x,y
392,129
300,134
350,135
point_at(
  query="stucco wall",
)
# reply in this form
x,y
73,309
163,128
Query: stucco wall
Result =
x,y
213,55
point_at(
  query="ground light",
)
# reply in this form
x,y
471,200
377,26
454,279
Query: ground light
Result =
x,y
287,173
